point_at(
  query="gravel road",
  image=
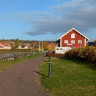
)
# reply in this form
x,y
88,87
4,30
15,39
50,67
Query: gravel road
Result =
x,y
22,79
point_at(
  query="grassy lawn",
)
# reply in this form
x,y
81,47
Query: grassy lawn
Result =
x,y
69,78
4,65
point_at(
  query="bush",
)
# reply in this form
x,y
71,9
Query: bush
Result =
x,y
55,55
87,53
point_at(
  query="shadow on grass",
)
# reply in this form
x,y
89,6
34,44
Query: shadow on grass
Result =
x,y
81,62
40,74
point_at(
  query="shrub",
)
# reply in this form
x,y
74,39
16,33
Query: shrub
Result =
x,y
87,53
55,55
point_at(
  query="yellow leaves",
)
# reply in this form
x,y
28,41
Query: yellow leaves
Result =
x,y
87,53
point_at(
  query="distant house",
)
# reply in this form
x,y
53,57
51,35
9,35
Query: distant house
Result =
x,y
23,46
73,39
4,46
52,46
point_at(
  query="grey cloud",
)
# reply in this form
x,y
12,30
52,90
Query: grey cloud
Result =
x,y
82,18
29,17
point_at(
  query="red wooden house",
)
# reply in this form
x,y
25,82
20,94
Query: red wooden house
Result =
x,y
72,38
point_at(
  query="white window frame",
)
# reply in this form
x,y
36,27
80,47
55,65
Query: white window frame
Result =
x,y
79,41
72,41
65,41
72,35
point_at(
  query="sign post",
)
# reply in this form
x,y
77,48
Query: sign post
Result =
x,y
50,67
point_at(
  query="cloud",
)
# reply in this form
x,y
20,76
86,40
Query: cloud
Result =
x,y
61,18
76,13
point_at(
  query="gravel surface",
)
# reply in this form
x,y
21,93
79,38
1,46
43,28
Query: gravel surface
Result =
x,y
22,79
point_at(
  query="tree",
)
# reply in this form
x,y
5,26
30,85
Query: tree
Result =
x,y
35,44
17,43
45,45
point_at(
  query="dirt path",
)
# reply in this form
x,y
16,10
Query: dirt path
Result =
x,y
22,80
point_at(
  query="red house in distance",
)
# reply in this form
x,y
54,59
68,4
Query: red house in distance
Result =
x,y
72,38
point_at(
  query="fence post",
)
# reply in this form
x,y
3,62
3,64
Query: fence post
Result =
x,y
50,67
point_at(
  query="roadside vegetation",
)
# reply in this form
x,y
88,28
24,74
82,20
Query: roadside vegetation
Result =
x,y
87,54
6,64
70,77
16,50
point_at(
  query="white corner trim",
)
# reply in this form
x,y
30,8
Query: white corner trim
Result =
x,y
71,30
85,41
60,42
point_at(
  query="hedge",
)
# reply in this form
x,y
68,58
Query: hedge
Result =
x,y
87,54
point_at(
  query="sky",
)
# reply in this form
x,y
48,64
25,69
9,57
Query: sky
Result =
x,y
46,19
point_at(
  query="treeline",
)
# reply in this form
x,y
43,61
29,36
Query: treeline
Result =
x,y
14,43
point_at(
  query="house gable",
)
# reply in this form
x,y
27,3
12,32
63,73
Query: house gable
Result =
x,y
23,46
75,31
72,38
73,41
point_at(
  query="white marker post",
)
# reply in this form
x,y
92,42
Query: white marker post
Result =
x,y
50,68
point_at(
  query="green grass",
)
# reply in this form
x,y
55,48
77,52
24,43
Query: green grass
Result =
x,y
6,64
69,78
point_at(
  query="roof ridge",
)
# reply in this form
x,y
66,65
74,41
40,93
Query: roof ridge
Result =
x,y
71,30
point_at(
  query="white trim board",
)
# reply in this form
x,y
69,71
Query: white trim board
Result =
x,y
76,31
61,42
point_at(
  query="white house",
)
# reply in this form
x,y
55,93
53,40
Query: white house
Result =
x,y
23,46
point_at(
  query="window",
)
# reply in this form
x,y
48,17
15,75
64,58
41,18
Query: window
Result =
x,y
6,45
79,41
57,48
1,46
66,41
72,35
61,49
73,41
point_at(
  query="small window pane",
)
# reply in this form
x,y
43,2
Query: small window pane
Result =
x,y
72,35
65,41
73,41
57,48
79,41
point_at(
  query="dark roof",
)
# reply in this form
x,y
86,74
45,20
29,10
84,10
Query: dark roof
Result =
x,y
91,43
